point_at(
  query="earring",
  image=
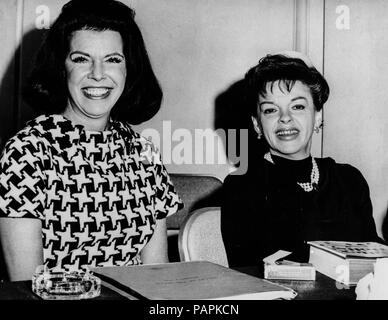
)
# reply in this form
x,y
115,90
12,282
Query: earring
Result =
x,y
317,128
259,134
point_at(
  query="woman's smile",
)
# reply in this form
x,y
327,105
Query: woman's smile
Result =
x,y
96,93
287,134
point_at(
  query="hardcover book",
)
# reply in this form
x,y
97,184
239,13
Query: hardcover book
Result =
x,y
343,261
189,281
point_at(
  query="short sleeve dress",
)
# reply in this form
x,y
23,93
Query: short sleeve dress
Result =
x,y
97,193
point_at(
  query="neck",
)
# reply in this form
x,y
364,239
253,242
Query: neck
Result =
x,y
90,124
291,156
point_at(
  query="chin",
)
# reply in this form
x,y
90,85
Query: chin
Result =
x,y
97,110
291,153
288,150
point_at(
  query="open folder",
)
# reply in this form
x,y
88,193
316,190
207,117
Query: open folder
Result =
x,y
189,281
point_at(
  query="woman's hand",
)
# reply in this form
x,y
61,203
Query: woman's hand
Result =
x,y
21,240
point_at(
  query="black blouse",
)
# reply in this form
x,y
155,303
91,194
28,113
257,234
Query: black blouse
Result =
x,y
266,210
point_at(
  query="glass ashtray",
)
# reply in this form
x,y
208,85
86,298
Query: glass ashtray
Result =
x,y
66,285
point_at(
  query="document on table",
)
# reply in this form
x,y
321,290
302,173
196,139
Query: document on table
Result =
x,y
190,281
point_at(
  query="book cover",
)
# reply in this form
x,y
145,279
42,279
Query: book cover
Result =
x,y
353,249
190,281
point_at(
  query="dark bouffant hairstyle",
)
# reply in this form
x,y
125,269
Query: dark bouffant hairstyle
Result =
x,y
46,88
287,71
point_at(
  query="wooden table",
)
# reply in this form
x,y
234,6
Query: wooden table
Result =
x,y
323,288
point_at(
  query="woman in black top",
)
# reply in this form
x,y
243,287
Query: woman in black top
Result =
x,y
287,197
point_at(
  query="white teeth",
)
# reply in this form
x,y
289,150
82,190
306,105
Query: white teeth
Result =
x,y
286,132
96,92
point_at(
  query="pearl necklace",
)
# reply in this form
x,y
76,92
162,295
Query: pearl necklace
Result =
x,y
314,177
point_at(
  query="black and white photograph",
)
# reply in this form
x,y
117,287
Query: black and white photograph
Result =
x,y
158,153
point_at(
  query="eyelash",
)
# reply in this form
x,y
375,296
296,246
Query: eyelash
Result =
x,y
84,60
79,60
295,107
268,111
114,60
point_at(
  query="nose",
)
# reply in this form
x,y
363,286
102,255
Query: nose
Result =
x,y
97,71
285,116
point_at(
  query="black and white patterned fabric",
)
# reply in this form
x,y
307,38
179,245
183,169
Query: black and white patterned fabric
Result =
x,y
97,193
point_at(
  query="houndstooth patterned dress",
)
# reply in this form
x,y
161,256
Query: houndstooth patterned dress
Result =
x,y
97,193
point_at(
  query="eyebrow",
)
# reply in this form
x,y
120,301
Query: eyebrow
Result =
x,y
299,97
265,102
88,55
292,100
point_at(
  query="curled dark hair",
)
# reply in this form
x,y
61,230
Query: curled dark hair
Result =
x,y
287,71
46,89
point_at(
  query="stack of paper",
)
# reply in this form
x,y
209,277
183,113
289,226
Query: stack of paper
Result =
x,y
190,281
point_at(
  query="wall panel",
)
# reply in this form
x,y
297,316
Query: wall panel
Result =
x,y
37,17
8,40
356,66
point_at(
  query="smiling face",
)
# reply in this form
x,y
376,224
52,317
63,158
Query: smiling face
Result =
x,y
287,119
96,73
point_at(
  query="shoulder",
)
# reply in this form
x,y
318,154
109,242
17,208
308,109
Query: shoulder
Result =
x,y
255,173
344,168
232,180
142,148
30,138
342,171
234,183
125,130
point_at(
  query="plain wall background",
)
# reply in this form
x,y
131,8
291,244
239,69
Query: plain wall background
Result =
x,y
199,48
356,115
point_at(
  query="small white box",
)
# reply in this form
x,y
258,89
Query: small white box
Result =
x,y
302,271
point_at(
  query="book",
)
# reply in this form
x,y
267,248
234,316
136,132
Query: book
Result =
x,y
190,281
343,261
275,267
